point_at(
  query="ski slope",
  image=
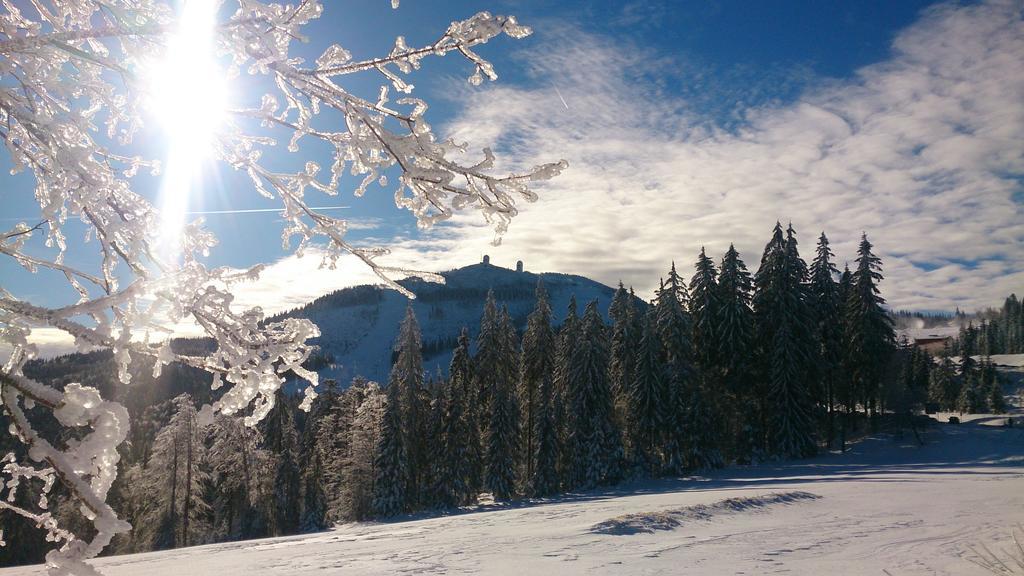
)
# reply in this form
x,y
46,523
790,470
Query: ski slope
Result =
x,y
885,505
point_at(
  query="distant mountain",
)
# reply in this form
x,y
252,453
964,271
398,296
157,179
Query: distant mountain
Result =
x,y
359,324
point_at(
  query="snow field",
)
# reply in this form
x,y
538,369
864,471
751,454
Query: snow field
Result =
x,y
885,505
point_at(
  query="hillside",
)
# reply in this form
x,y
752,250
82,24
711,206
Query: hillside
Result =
x,y
359,324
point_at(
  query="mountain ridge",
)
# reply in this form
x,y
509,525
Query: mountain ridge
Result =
x,y
359,324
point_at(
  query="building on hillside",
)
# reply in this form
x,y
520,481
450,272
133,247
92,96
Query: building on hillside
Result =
x,y
933,343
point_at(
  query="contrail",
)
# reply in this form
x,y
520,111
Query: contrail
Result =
x,y
206,212
257,210
557,91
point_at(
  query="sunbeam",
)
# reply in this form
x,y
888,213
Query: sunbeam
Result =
x,y
189,95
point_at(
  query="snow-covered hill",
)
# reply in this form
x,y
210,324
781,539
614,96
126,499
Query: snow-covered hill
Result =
x,y
359,324
887,506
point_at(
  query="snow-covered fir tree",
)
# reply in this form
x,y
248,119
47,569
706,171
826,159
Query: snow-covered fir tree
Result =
x,y
465,385
174,487
648,414
704,307
356,501
242,479
321,471
407,377
827,326
502,439
568,334
675,331
453,450
704,423
735,325
281,439
784,322
391,464
488,361
536,385
596,442
943,387
869,337
625,335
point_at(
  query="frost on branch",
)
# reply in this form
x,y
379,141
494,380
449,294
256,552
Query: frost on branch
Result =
x,y
71,104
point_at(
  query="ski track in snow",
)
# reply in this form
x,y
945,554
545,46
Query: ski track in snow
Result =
x,y
885,505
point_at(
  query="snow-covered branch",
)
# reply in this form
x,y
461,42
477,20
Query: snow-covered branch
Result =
x,y
72,101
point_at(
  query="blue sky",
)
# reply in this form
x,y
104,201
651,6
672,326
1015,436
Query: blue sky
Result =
x,y
687,125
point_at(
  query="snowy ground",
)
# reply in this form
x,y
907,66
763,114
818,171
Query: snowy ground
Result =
x,y
886,505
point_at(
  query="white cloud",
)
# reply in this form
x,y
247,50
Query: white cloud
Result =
x,y
924,152
920,151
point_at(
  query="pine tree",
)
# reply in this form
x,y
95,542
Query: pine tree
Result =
x,y
282,440
844,386
735,326
176,483
596,443
392,475
407,378
675,331
944,388
826,318
488,345
502,429
735,321
647,411
704,311
359,470
238,469
972,397
568,334
321,466
624,337
785,342
766,305
996,401
536,375
463,383
705,395
869,337
454,456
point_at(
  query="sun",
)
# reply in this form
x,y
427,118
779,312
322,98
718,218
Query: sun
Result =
x,y
188,99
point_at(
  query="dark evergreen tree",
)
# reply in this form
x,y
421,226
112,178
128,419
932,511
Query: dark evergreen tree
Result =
x,y
735,322
596,443
568,334
488,361
704,311
536,376
647,411
703,404
943,387
869,333
453,464
407,377
281,438
826,327
735,326
175,483
675,331
391,463
783,319
972,398
320,467
624,337
503,429
846,394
